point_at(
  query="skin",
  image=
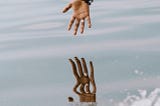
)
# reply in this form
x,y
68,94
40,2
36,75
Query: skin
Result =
x,y
83,80
80,12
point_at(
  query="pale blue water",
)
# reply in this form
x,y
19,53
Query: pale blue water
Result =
x,y
123,43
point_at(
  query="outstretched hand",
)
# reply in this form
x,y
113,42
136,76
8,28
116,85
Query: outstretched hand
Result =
x,y
80,13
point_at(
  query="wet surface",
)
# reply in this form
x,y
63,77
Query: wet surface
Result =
x,y
35,45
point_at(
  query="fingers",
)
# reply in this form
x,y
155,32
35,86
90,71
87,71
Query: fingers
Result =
x,y
82,25
78,23
71,22
76,75
76,26
84,67
79,66
78,63
82,89
89,21
88,88
82,76
74,69
67,8
75,88
92,77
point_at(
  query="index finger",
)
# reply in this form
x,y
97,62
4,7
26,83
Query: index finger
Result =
x,y
84,67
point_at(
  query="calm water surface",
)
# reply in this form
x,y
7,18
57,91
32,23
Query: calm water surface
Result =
x,y
123,43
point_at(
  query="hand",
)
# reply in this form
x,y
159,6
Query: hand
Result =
x,y
80,13
83,80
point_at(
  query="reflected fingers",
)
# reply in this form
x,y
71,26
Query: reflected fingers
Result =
x,y
79,66
74,69
84,67
92,77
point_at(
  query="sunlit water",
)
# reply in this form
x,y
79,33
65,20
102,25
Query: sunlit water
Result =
x,y
123,43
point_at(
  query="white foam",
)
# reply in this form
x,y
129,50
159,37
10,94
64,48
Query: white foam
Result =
x,y
153,99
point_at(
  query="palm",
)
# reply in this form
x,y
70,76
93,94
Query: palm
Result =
x,y
80,12
81,9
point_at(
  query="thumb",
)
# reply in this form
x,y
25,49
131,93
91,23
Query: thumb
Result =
x,y
67,8
70,99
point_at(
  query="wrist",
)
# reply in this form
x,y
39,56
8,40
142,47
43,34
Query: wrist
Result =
x,y
87,98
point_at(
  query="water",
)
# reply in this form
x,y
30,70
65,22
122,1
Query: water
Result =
x,y
35,45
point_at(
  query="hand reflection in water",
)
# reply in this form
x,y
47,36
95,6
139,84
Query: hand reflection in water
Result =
x,y
83,80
